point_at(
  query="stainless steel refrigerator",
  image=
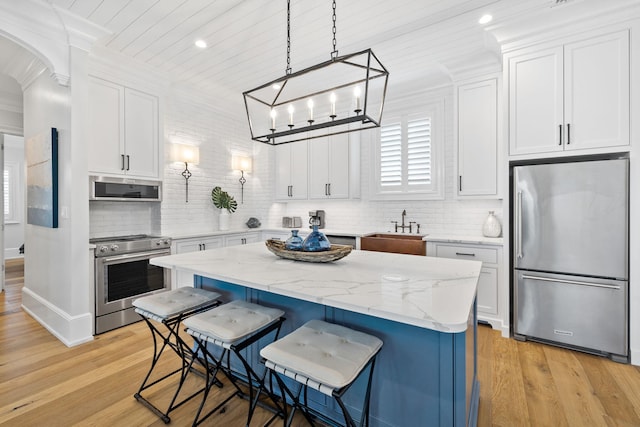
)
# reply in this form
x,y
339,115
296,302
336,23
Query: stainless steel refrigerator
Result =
x,y
570,247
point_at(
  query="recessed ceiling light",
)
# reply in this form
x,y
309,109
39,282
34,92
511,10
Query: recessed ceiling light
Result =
x,y
485,19
201,44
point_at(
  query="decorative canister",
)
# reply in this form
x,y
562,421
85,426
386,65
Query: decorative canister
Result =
x,y
491,226
316,241
293,243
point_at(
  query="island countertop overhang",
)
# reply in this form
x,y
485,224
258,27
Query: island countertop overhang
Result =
x,y
428,292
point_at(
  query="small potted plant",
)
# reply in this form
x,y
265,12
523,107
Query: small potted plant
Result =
x,y
226,203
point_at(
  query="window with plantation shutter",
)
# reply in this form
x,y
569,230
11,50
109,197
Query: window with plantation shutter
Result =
x,y
407,164
391,155
10,188
419,152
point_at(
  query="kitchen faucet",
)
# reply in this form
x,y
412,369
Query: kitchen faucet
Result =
x,y
402,226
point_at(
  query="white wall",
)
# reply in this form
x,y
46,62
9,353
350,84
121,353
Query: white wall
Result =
x,y
219,132
58,289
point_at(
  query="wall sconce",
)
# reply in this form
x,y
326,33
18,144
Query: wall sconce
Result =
x,y
185,154
242,164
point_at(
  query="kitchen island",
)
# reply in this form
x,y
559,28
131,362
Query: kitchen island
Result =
x,y
422,308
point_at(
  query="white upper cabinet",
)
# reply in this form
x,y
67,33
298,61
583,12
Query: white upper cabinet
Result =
x,y
291,171
596,92
570,97
478,139
124,131
329,167
141,133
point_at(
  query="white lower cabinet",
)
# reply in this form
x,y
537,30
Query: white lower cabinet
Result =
x,y
489,283
241,239
182,246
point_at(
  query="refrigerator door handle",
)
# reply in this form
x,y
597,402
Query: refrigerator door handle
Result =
x,y
571,282
519,225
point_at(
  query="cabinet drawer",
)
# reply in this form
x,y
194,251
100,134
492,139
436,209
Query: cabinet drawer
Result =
x,y
474,253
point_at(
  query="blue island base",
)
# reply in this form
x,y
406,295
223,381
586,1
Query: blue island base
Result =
x,y
422,377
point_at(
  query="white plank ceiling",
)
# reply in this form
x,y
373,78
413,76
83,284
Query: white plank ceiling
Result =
x,y
415,39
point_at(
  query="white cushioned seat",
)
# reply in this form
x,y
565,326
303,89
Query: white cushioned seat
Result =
x,y
171,303
329,354
233,321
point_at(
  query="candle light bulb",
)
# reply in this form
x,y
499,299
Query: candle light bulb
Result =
x,y
356,93
290,109
273,118
310,105
332,98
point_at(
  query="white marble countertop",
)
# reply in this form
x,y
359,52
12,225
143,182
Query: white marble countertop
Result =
x,y
428,292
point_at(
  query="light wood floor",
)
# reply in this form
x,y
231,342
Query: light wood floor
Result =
x,y
44,383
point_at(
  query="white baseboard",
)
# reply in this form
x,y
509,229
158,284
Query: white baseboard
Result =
x,y
635,356
11,253
71,330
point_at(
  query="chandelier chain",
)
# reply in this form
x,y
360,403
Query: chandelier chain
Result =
x,y
288,70
334,54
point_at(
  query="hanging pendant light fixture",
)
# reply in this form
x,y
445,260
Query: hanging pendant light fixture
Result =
x,y
343,94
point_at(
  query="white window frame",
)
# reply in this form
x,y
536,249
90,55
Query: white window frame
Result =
x,y
435,190
13,216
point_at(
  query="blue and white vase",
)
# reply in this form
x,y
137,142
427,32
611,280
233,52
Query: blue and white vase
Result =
x,y
293,243
316,241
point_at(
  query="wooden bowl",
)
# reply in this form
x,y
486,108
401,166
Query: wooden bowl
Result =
x,y
335,253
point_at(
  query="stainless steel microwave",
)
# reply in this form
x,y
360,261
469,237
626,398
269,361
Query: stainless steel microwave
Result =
x,y
124,189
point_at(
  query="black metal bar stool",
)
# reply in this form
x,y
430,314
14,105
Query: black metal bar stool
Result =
x,y
170,309
326,357
232,328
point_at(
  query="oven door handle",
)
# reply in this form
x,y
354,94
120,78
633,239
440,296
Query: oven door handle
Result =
x,y
137,255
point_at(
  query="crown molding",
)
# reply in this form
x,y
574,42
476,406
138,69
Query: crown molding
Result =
x,y
561,21
47,32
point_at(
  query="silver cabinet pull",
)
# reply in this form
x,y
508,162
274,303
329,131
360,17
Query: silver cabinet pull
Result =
x,y
464,254
122,161
571,282
459,182
568,133
128,162
329,184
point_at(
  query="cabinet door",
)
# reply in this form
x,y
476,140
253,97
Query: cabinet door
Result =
x,y
240,239
299,170
478,139
536,102
283,171
141,133
488,290
291,171
319,168
329,167
184,279
106,114
339,163
211,243
597,92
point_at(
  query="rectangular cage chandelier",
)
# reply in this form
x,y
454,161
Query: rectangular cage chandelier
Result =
x,y
343,94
